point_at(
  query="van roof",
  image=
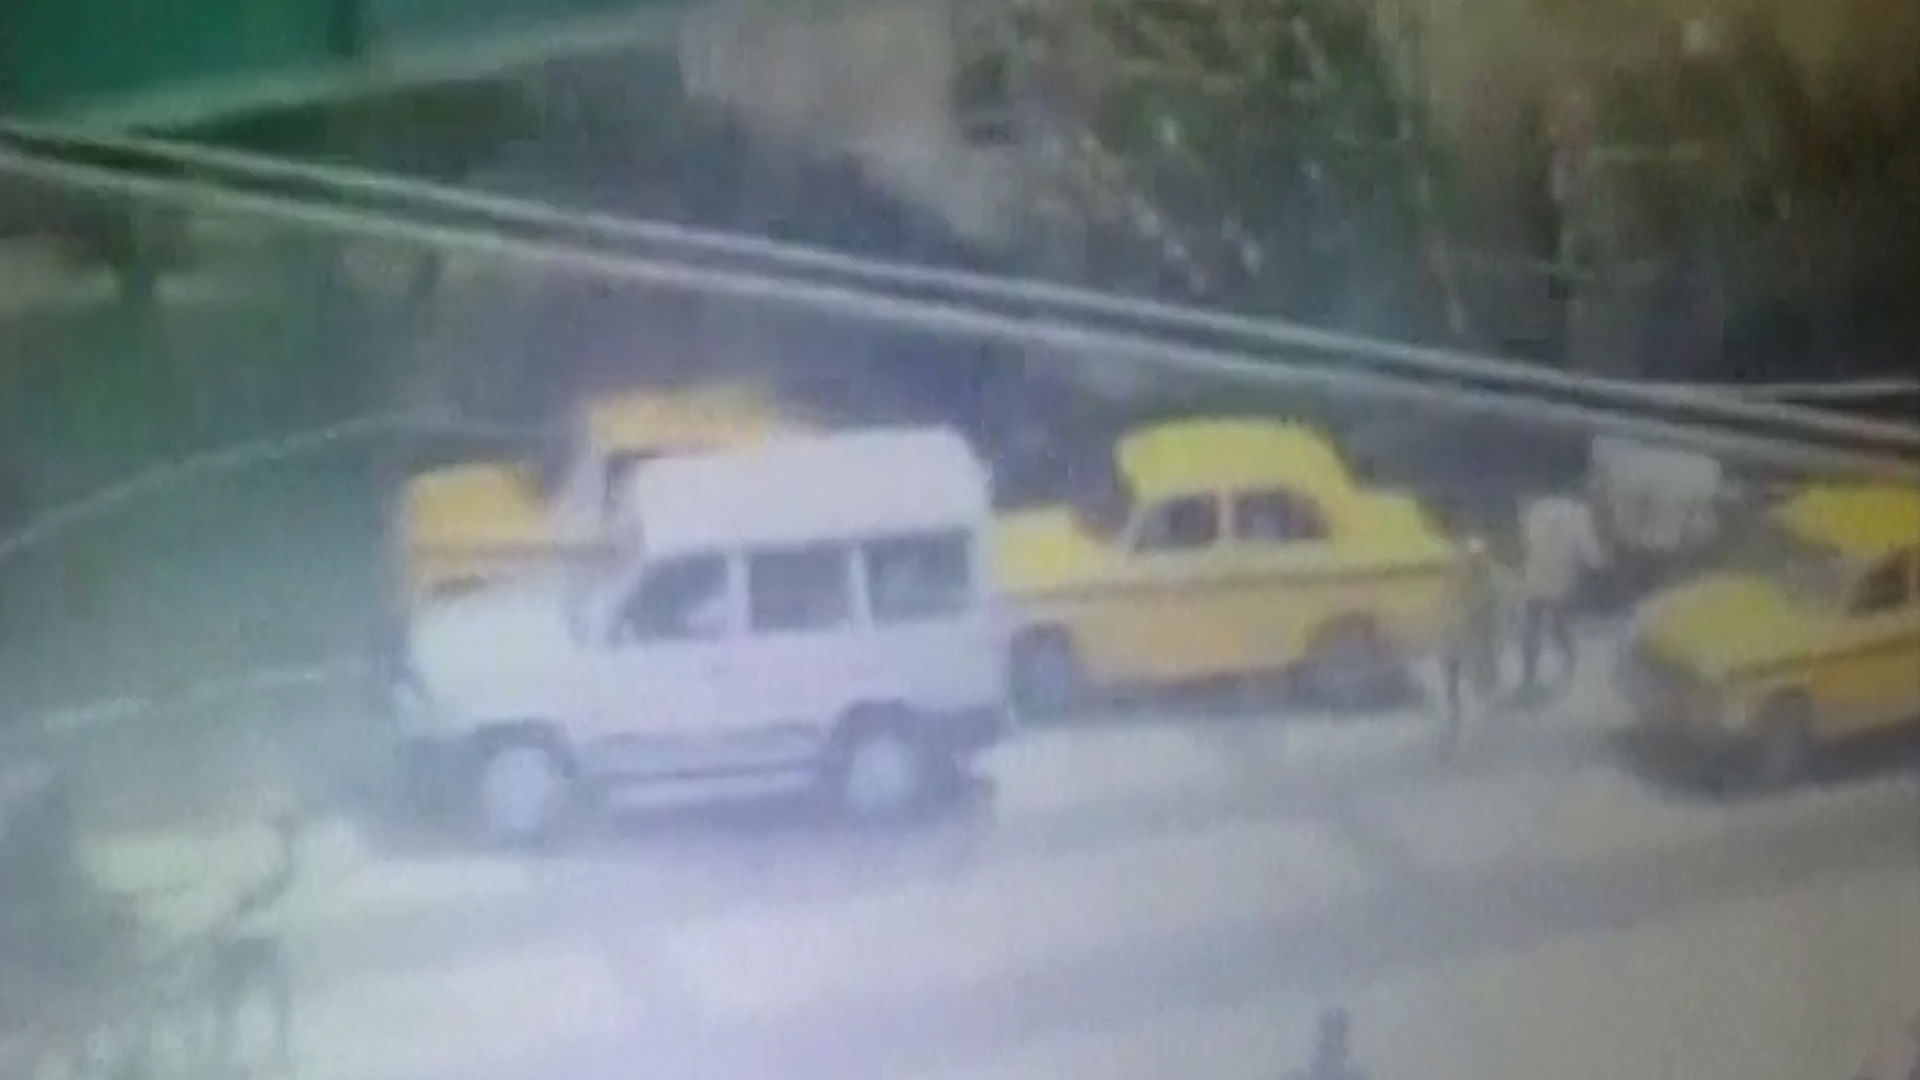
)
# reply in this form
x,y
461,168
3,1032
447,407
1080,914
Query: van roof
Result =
x,y
804,487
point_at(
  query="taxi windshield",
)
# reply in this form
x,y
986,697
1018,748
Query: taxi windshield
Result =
x,y
1813,573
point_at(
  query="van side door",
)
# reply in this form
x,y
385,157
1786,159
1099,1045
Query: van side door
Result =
x,y
798,663
659,664
935,642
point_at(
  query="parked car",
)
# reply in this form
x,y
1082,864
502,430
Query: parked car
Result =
x,y
1227,546
468,524
816,610
1810,633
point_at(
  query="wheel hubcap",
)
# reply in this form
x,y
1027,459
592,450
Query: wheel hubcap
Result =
x,y
883,773
519,792
1780,757
1049,676
1350,669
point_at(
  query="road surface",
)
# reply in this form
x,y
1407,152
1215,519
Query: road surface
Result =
x,y
1174,895
1164,896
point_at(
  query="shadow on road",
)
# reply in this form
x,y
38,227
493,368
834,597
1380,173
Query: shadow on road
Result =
x,y
1691,777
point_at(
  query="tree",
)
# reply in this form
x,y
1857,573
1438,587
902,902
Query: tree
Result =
x,y
1261,154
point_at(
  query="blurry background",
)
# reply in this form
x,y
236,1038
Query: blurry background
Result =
x,y
1670,192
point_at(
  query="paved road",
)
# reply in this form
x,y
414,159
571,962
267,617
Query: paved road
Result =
x,y
1160,897
1174,895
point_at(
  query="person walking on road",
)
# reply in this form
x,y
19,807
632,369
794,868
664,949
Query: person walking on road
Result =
x,y
14,517
1470,653
1469,646
1332,1055
1561,546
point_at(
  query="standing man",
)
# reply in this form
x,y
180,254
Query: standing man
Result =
x,y
1332,1052
14,516
1561,546
1470,647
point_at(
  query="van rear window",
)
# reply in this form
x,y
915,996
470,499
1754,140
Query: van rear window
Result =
x,y
921,576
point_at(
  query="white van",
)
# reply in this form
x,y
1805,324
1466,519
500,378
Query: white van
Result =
x,y
816,608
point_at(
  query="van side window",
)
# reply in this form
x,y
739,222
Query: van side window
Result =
x,y
1885,587
799,588
1183,523
923,576
680,599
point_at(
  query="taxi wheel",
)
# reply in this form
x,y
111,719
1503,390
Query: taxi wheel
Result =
x,y
1046,673
1781,757
1350,667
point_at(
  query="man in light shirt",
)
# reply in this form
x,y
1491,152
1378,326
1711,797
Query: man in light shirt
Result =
x,y
1561,546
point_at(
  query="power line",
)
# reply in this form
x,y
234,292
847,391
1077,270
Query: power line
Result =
x,y
415,198
1690,418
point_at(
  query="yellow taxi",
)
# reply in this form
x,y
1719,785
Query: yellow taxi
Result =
x,y
1810,632
466,524
1232,546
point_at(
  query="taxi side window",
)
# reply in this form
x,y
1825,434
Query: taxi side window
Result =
x,y
1277,515
1889,585
1182,523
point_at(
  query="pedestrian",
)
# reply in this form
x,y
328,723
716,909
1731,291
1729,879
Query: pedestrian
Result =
x,y
1332,1055
14,517
1469,656
1561,545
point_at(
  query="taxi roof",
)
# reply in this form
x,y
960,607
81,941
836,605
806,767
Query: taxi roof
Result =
x,y
1861,520
1210,454
700,416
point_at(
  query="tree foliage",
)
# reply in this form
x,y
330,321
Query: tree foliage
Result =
x,y
1256,154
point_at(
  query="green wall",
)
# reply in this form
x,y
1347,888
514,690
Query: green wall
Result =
x,y
60,52
65,53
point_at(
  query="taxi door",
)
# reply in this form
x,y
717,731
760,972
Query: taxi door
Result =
x,y
1167,610
1280,547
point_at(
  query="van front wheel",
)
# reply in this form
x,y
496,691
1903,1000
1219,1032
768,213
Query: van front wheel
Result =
x,y
882,771
522,787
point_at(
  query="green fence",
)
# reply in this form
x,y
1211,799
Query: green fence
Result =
x,y
59,52
57,55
